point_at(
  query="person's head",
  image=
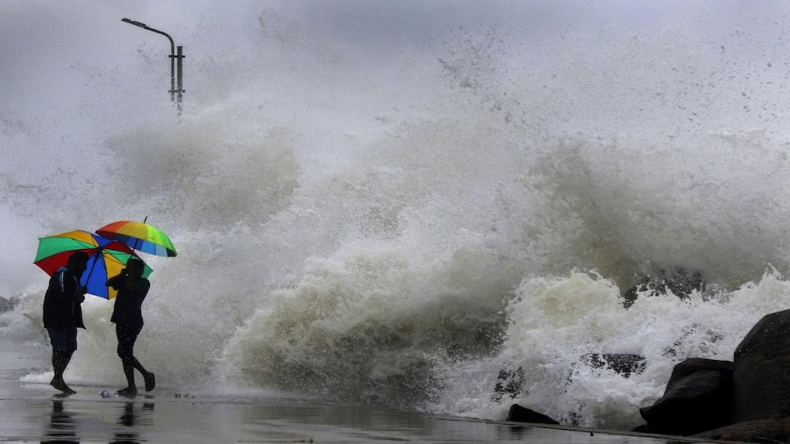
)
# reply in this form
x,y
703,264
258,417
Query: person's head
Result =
x,y
135,267
78,262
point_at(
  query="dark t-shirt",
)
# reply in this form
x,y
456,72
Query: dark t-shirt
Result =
x,y
61,307
129,303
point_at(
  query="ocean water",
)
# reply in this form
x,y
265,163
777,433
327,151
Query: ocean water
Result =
x,y
388,203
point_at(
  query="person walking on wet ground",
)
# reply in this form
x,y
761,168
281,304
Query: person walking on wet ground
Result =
x,y
128,318
63,315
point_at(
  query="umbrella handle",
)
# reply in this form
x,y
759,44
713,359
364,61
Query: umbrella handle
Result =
x,y
98,252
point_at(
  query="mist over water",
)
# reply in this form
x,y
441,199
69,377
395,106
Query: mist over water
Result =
x,y
388,203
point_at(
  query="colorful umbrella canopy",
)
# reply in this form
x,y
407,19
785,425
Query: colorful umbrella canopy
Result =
x,y
139,236
106,258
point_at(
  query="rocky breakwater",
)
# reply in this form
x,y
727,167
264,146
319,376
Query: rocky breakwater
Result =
x,y
747,399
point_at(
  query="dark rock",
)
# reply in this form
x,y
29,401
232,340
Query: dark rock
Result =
x,y
744,400
640,429
761,379
630,296
518,413
682,281
509,383
623,363
697,398
759,431
693,365
679,280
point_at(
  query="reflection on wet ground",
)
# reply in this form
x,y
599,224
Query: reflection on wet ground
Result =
x,y
204,419
130,418
61,425
64,424
33,413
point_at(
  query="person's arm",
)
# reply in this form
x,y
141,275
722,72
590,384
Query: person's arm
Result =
x,y
117,281
79,296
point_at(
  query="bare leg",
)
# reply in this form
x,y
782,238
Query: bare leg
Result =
x,y
60,360
136,364
128,371
130,365
148,377
127,335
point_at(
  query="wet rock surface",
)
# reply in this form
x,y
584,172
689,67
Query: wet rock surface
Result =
x,y
697,398
747,399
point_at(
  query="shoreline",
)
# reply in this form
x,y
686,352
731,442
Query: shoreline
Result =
x,y
34,412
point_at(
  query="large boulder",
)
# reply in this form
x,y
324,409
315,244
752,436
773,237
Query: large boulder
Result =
x,y
697,398
761,431
518,413
761,380
694,365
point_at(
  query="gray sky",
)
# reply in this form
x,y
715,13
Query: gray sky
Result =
x,y
41,41
47,47
76,68
335,74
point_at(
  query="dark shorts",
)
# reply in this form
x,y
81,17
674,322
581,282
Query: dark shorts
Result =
x,y
63,339
127,335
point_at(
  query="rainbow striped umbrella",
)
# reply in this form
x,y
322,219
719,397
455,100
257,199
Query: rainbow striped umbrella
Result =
x,y
139,236
106,258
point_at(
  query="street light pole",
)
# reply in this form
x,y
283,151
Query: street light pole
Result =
x,y
175,94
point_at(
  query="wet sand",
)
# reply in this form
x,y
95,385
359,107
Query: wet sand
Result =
x,y
33,412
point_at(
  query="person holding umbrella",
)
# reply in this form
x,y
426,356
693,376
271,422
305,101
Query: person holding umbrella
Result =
x,y
127,315
63,315
132,289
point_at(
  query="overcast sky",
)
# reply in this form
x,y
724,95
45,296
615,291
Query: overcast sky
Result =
x,y
75,63
41,41
73,76
74,69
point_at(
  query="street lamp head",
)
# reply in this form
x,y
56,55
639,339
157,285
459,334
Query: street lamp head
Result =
x,y
132,22
173,57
